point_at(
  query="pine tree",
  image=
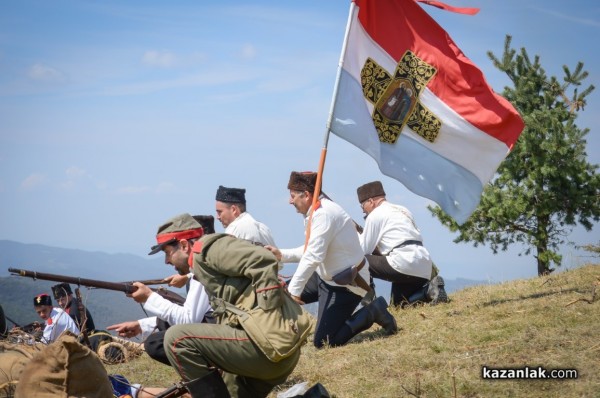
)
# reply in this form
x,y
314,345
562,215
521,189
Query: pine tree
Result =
x,y
545,186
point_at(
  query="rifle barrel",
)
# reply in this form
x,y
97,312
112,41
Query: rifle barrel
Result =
x,y
148,282
118,286
124,287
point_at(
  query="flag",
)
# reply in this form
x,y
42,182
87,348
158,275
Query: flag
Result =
x,y
411,99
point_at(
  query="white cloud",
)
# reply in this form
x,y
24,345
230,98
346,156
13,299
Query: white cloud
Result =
x,y
44,73
161,59
74,172
33,181
577,20
161,188
132,190
165,187
248,52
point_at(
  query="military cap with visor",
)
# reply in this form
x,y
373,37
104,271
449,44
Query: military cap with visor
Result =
x,y
183,226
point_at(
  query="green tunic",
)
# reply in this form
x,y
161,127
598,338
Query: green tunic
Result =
x,y
233,270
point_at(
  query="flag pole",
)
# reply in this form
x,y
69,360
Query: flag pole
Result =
x,y
336,86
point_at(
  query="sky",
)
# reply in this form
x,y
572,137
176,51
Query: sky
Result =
x,y
117,115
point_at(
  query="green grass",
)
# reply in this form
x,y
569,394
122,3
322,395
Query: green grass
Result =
x,y
551,321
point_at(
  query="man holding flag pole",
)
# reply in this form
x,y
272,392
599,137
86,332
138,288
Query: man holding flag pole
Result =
x,y
407,95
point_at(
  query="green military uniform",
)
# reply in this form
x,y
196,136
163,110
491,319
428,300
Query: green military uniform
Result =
x,y
231,270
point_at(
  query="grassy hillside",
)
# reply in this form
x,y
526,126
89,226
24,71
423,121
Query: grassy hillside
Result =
x,y
552,322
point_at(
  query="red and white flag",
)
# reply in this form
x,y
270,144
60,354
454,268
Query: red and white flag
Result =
x,y
411,99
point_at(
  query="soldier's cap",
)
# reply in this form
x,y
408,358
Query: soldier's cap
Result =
x,y
370,190
207,222
61,290
42,299
302,181
231,195
183,226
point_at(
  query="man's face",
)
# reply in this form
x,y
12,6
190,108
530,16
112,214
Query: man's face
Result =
x,y
64,301
301,201
177,256
226,213
43,311
367,206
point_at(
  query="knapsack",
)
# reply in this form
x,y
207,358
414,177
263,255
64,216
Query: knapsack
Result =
x,y
64,369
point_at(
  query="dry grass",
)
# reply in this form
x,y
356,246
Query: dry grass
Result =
x,y
551,322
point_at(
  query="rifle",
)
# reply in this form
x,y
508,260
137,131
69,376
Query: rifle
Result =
x,y
83,317
148,282
124,287
176,390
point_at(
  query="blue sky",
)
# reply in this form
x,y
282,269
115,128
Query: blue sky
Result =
x,y
115,116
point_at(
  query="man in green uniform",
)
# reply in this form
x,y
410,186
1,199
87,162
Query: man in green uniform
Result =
x,y
233,272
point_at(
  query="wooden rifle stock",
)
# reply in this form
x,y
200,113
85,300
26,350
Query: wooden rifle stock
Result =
x,y
124,287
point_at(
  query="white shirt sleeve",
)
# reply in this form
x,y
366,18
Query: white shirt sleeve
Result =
x,y
148,326
192,311
314,255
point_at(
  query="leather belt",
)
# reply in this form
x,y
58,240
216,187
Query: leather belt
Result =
x,y
406,243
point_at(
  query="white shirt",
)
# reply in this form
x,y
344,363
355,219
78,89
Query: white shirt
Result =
x,y
387,226
58,322
333,247
246,227
192,311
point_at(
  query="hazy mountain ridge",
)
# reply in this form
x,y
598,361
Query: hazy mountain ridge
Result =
x,y
107,307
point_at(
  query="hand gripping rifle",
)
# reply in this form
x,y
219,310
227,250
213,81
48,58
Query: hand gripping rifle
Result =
x,y
125,287
176,390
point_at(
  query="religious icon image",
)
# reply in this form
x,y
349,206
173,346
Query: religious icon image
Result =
x,y
399,103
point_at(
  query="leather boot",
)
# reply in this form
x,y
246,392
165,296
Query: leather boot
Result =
x,y
209,386
381,315
436,292
360,320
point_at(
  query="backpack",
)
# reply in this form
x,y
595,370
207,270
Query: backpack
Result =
x,y
14,356
64,369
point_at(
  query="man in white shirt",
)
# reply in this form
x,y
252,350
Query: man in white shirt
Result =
x,y
391,232
332,248
231,212
56,320
195,308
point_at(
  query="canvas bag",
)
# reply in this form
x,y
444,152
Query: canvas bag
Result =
x,y
64,369
13,359
278,332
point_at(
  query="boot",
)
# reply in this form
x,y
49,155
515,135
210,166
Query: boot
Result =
x,y
436,292
360,320
381,316
209,386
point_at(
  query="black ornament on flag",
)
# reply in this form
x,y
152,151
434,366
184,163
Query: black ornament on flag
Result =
x,y
396,98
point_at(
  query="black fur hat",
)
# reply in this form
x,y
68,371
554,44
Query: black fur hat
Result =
x,y
370,190
302,181
61,290
207,222
231,195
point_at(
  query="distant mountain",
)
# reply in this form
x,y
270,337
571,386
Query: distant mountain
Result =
x,y
85,264
106,307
